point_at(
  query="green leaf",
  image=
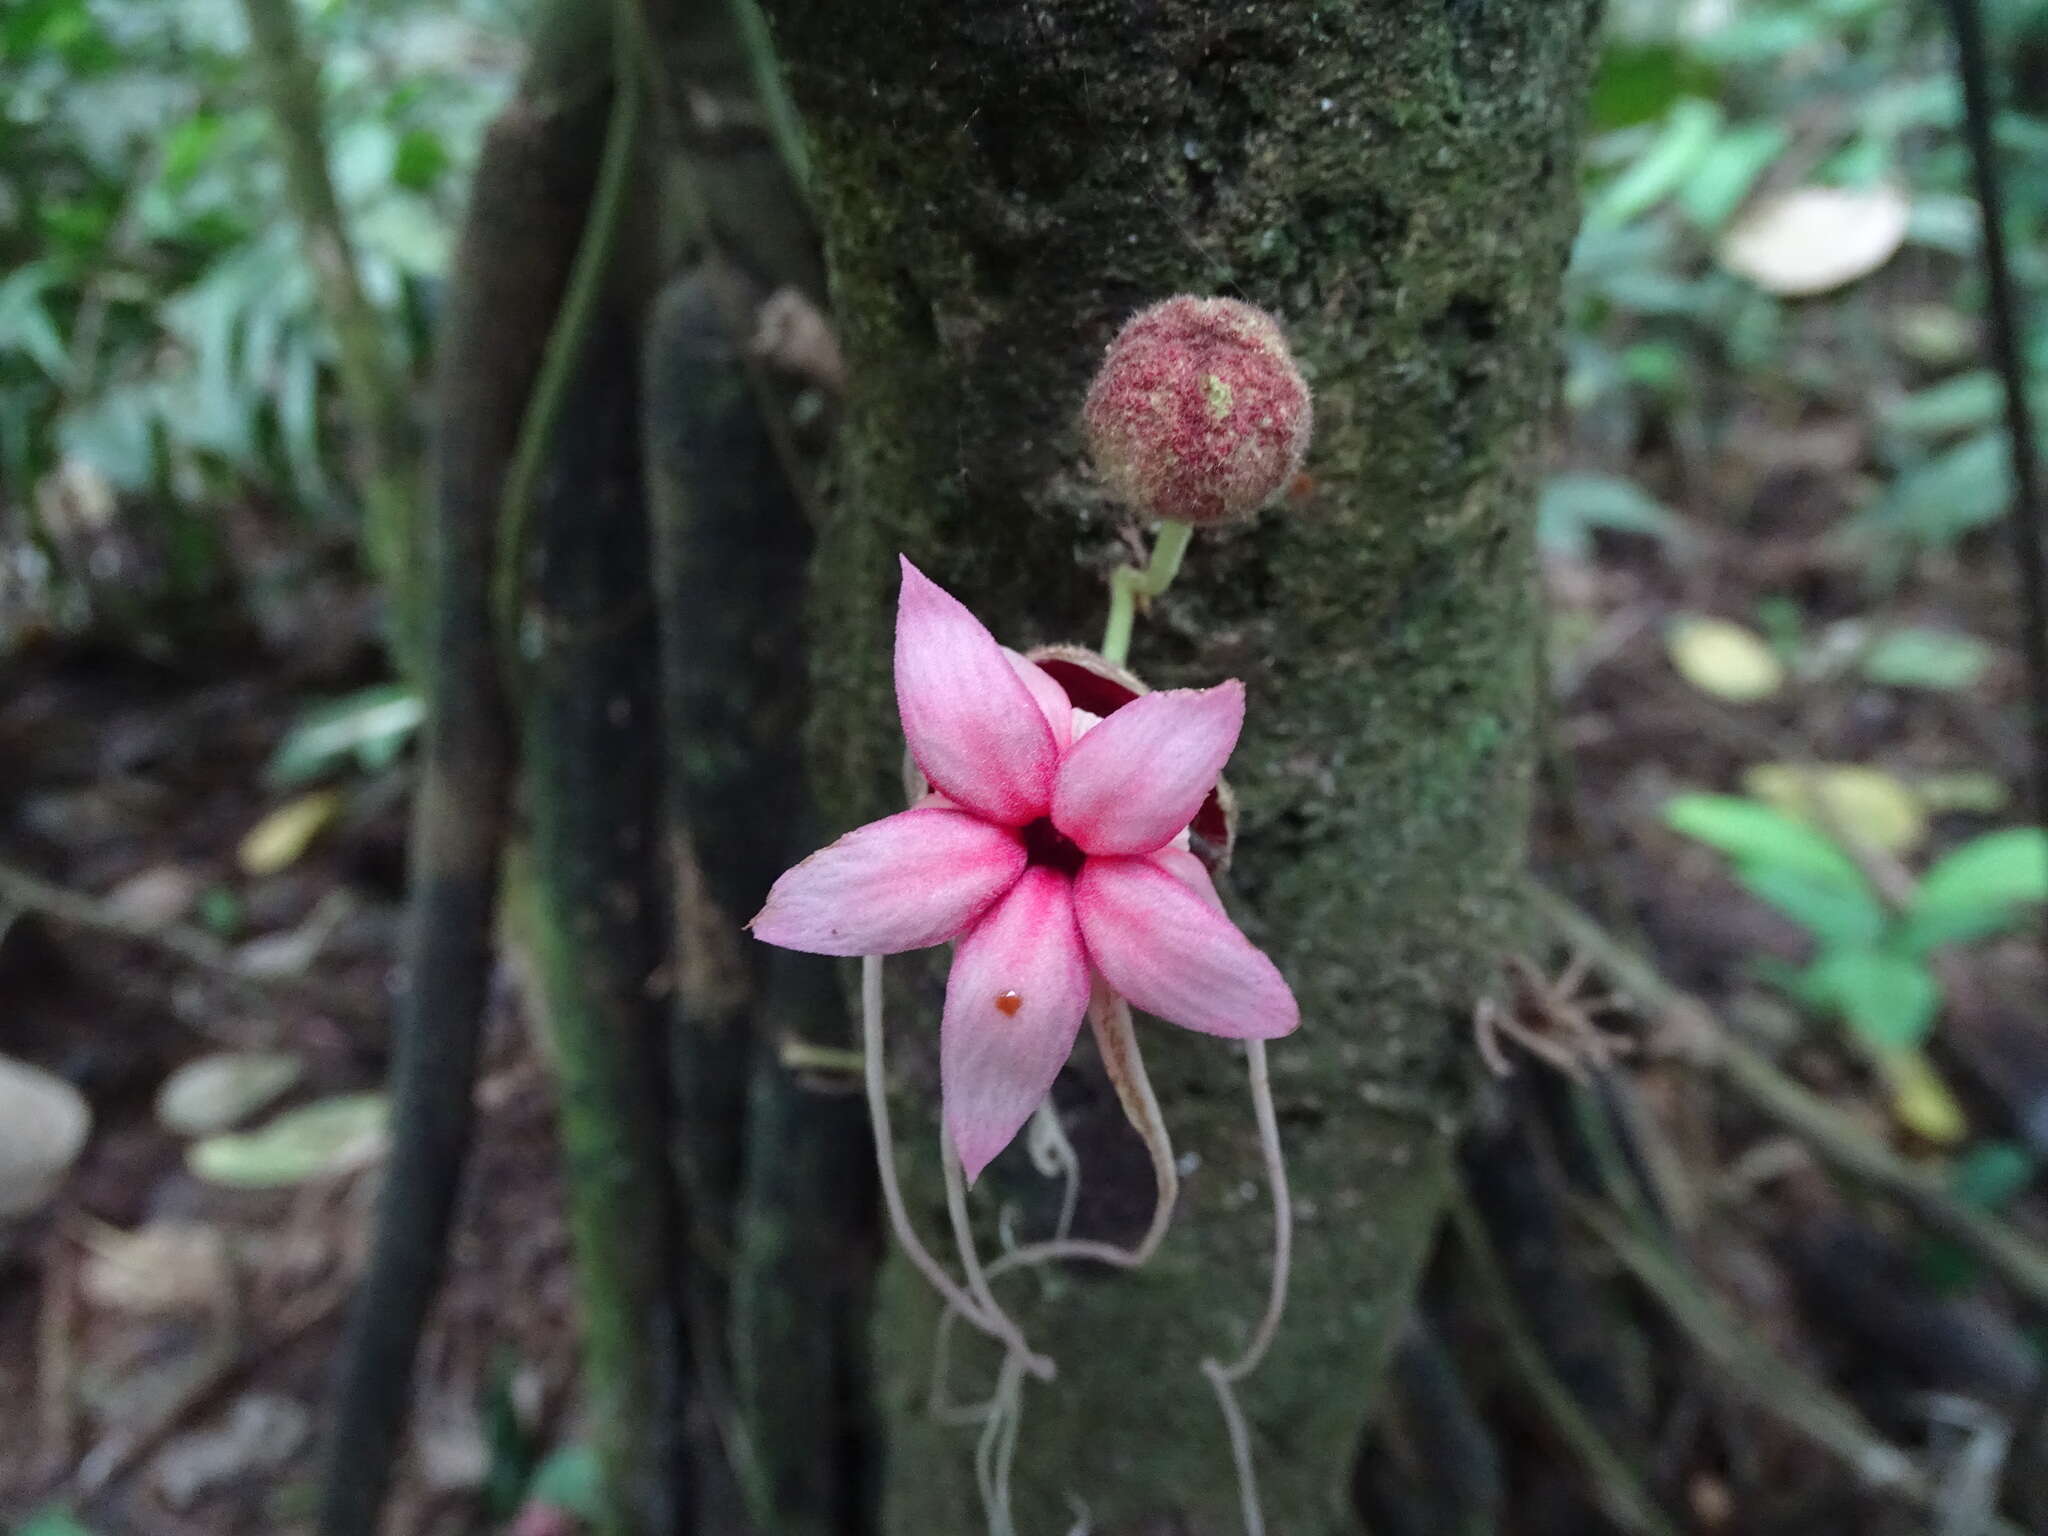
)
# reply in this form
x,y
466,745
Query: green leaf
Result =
x,y
372,726
1688,133
1942,659
1573,506
570,1479
187,147
1978,889
1754,834
25,325
1990,1175
220,911
1968,402
1963,488
332,1136
1838,915
419,160
1726,172
116,434
1638,82
1756,36
52,1520
1888,1000
297,404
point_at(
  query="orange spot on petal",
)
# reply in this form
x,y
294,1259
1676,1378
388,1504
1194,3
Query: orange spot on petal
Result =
x,y
1008,1002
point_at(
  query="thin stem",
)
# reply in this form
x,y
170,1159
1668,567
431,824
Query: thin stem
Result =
x,y
573,321
996,1452
1224,1378
373,376
785,126
1283,1218
1118,1043
1111,1018
999,1321
1129,583
885,1149
1240,1433
1053,1154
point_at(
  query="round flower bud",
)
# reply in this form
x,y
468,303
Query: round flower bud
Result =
x,y
1198,414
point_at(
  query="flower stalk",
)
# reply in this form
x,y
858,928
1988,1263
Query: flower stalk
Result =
x,y
1128,583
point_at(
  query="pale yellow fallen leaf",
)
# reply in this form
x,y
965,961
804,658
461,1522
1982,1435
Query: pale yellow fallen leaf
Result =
x,y
1863,803
1809,240
1921,1101
1724,659
1964,789
279,839
217,1092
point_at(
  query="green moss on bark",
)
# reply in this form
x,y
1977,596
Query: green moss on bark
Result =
x,y
1000,186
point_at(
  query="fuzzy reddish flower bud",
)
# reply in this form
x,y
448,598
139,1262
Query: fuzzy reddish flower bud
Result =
x,y
1198,414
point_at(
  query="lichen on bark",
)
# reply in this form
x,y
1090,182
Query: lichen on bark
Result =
x,y
1001,185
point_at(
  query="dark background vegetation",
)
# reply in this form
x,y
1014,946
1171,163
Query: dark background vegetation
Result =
x,y
1782,804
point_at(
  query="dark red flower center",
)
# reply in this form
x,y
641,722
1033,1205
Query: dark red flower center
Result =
x,y
1046,844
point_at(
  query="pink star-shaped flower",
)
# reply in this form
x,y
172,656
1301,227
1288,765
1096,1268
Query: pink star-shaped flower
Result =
x,y
1052,850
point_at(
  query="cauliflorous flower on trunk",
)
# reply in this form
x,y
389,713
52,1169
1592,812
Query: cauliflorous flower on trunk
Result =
x,y
1051,851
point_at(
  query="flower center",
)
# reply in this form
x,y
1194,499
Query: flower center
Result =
x,y
1045,844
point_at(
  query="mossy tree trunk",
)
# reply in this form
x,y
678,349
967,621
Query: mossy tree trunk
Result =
x,y
1000,185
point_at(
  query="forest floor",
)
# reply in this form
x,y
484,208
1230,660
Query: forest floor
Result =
x,y
165,1338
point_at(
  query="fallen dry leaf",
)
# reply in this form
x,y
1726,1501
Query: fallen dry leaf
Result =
x,y
1809,240
43,1125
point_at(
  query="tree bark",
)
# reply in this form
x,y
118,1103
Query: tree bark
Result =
x,y
591,746
776,1174
517,242
1001,185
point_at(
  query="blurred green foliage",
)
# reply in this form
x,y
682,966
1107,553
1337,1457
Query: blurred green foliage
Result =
x,y
159,341
1872,961
1705,109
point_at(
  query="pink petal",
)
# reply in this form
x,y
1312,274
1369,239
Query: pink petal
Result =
x,y
1136,779
905,882
995,1065
1174,955
1050,697
1190,871
971,722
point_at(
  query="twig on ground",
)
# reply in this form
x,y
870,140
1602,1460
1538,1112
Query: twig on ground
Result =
x,y
189,946
1833,1137
1616,1486
1751,1366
